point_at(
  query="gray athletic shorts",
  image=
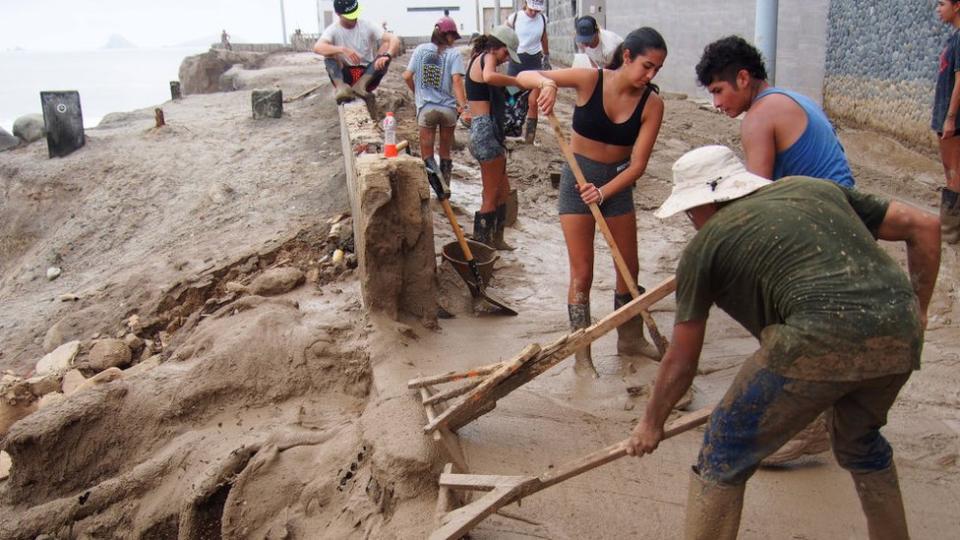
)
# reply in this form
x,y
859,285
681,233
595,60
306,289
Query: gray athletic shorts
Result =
x,y
432,115
598,174
528,62
484,145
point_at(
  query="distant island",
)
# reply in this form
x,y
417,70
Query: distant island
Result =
x,y
117,41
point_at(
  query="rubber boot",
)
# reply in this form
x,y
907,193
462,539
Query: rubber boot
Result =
x,y
880,498
344,92
949,216
484,225
360,86
580,318
446,169
531,133
713,509
630,340
498,242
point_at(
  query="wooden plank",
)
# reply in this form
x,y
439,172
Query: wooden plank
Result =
x,y
479,482
477,397
453,376
460,521
446,499
444,438
450,394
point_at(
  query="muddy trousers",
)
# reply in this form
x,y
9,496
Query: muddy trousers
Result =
x,y
351,74
762,410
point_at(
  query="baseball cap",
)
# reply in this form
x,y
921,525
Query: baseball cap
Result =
x,y
447,25
536,5
587,28
508,37
348,9
708,174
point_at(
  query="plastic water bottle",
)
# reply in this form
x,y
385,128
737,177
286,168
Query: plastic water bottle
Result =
x,y
390,136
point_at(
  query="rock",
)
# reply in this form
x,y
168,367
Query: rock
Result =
x,y
144,366
267,103
54,337
72,380
53,273
5,464
7,141
50,399
59,360
103,377
133,323
29,128
11,412
337,256
134,342
108,353
42,385
234,287
202,73
276,281
68,297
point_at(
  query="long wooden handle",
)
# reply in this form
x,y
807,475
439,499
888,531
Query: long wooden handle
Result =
x,y
461,239
618,260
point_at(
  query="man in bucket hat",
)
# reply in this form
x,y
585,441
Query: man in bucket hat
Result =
x,y
356,53
840,328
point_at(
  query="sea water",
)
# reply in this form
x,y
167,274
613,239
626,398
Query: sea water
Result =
x,y
108,80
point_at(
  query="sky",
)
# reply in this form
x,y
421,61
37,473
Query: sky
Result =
x,y
88,24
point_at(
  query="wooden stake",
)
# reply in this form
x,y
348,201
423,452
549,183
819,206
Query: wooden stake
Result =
x,y
158,116
453,376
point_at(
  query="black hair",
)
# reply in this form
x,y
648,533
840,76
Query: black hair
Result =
x,y
724,58
484,43
638,42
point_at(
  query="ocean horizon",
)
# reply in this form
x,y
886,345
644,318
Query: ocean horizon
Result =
x,y
108,80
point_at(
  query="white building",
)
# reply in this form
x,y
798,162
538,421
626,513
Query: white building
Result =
x,y
416,17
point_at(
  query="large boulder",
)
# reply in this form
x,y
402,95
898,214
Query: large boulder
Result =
x,y
201,73
108,353
7,141
276,281
29,127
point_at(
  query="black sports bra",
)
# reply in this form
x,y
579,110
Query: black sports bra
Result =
x,y
476,91
592,122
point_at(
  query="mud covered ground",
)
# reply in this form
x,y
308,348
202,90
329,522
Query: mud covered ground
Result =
x,y
283,413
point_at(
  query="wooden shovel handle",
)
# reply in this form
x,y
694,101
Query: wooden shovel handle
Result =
x,y
618,260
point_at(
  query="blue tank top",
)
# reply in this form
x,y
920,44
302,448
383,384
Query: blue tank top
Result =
x,y
817,152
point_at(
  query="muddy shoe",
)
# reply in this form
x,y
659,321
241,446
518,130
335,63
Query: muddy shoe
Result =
x,y
344,94
583,364
484,225
580,318
498,242
813,439
360,87
630,340
949,216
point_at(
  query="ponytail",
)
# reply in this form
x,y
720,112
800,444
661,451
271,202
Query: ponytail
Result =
x,y
484,43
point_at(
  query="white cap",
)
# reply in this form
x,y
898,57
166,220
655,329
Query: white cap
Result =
x,y
708,174
535,5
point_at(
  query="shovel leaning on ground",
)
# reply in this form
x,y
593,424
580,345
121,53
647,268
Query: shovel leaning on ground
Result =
x,y
477,287
658,339
504,490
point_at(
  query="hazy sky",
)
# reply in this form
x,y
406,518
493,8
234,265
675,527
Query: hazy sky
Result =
x,y
88,24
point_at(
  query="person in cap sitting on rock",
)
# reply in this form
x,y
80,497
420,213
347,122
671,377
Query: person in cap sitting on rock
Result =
x,y
600,45
487,105
840,325
435,76
356,53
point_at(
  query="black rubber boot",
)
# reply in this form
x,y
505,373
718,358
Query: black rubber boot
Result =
x,y
498,242
531,133
484,225
446,169
630,340
949,216
580,318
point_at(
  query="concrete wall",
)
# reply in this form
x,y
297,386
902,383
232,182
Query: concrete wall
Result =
x,y
690,25
881,64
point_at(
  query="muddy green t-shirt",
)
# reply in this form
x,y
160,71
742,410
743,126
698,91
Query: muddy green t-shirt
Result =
x,y
798,265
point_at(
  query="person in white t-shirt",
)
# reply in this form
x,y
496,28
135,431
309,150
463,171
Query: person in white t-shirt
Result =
x,y
530,24
600,45
356,53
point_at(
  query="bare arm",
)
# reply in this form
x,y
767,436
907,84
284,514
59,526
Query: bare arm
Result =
x,y
674,377
408,78
545,42
494,77
390,43
582,79
759,144
326,48
950,122
459,91
921,232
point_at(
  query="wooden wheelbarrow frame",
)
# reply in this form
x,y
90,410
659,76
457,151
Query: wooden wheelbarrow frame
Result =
x,y
504,490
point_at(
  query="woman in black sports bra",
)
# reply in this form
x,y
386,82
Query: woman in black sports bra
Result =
x,y
615,126
486,102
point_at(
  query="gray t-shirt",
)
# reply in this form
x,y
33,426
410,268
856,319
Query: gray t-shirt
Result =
x,y
364,38
433,74
947,73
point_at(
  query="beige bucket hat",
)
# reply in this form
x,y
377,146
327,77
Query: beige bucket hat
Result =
x,y
705,175
508,37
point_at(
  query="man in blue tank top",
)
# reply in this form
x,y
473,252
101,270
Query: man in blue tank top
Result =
x,y
784,133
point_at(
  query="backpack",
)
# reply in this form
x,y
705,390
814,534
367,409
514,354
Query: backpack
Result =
x,y
512,20
515,111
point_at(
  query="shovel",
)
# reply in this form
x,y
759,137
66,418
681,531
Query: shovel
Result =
x,y
658,339
477,287
504,490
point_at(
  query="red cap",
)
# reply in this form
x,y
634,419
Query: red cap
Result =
x,y
446,25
